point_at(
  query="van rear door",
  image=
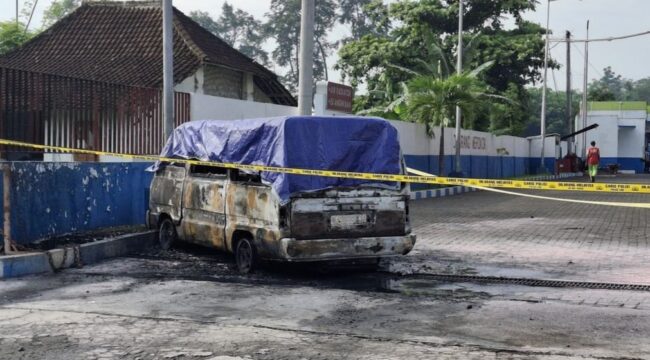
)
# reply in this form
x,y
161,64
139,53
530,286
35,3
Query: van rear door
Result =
x,y
349,214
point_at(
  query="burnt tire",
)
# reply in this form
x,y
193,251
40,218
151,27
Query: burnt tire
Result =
x,y
167,235
245,256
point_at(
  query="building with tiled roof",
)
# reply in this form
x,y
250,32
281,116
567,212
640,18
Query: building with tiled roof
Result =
x,y
121,43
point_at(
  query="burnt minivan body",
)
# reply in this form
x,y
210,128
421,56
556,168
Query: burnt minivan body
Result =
x,y
272,216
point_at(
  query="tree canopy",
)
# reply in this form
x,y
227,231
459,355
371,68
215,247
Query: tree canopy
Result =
x,y
517,51
556,116
58,9
365,17
614,87
283,24
239,29
12,35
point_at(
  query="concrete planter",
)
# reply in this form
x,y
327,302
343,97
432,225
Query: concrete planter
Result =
x,y
89,253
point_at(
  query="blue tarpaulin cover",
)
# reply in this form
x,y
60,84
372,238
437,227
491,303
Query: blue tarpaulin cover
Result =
x,y
341,143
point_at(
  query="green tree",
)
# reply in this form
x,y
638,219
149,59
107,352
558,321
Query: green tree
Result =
x,y
556,116
600,92
610,87
386,100
12,35
283,26
614,87
517,51
239,29
206,21
365,17
26,12
387,97
435,90
432,100
505,117
59,9
640,90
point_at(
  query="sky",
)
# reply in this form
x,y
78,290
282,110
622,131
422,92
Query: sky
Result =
x,y
628,57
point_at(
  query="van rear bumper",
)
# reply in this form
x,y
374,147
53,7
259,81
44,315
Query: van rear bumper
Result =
x,y
338,249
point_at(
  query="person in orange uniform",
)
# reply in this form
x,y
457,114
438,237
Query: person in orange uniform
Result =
x,y
593,160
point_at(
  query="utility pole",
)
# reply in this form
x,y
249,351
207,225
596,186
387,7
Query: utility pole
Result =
x,y
459,69
6,205
542,168
584,93
17,5
306,67
569,94
168,68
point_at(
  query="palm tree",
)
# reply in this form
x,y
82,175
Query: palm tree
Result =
x,y
432,100
434,90
390,97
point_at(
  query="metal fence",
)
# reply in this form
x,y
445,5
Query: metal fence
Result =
x,y
63,111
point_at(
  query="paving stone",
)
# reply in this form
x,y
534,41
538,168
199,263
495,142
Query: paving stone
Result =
x,y
564,240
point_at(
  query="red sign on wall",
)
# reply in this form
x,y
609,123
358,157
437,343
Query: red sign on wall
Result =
x,y
339,97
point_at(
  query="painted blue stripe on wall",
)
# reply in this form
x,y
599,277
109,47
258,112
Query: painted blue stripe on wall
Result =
x,y
533,165
635,164
479,166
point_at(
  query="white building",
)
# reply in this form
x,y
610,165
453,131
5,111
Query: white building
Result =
x,y
621,135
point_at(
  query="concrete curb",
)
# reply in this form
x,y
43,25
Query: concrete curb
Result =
x,y
456,190
89,253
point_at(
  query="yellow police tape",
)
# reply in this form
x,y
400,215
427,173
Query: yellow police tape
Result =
x,y
575,201
420,177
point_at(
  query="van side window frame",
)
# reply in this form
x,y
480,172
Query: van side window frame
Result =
x,y
220,173
238,176
165,164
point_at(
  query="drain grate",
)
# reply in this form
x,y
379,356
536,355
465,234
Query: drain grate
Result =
x,y
535,282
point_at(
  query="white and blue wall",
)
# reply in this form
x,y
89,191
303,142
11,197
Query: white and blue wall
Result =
x,y
621,133
483,155
553,149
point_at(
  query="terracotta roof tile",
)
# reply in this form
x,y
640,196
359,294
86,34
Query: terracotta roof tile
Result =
x,y
121,42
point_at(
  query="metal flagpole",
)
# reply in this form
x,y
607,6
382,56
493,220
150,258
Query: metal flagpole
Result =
x,y
584,94
542,168
570,121
459,70
306,68
168,68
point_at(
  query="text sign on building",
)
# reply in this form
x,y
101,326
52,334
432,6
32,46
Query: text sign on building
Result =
x,y
473,142
339,97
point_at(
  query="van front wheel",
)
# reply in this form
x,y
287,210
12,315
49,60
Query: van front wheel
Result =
x,y
166,234
245,256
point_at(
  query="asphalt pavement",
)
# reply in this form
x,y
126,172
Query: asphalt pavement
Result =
x,y
189,303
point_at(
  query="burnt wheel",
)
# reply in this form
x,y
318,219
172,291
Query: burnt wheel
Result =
x,y
245,256
166,234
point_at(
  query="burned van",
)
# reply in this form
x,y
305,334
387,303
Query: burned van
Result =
x,y
279,216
